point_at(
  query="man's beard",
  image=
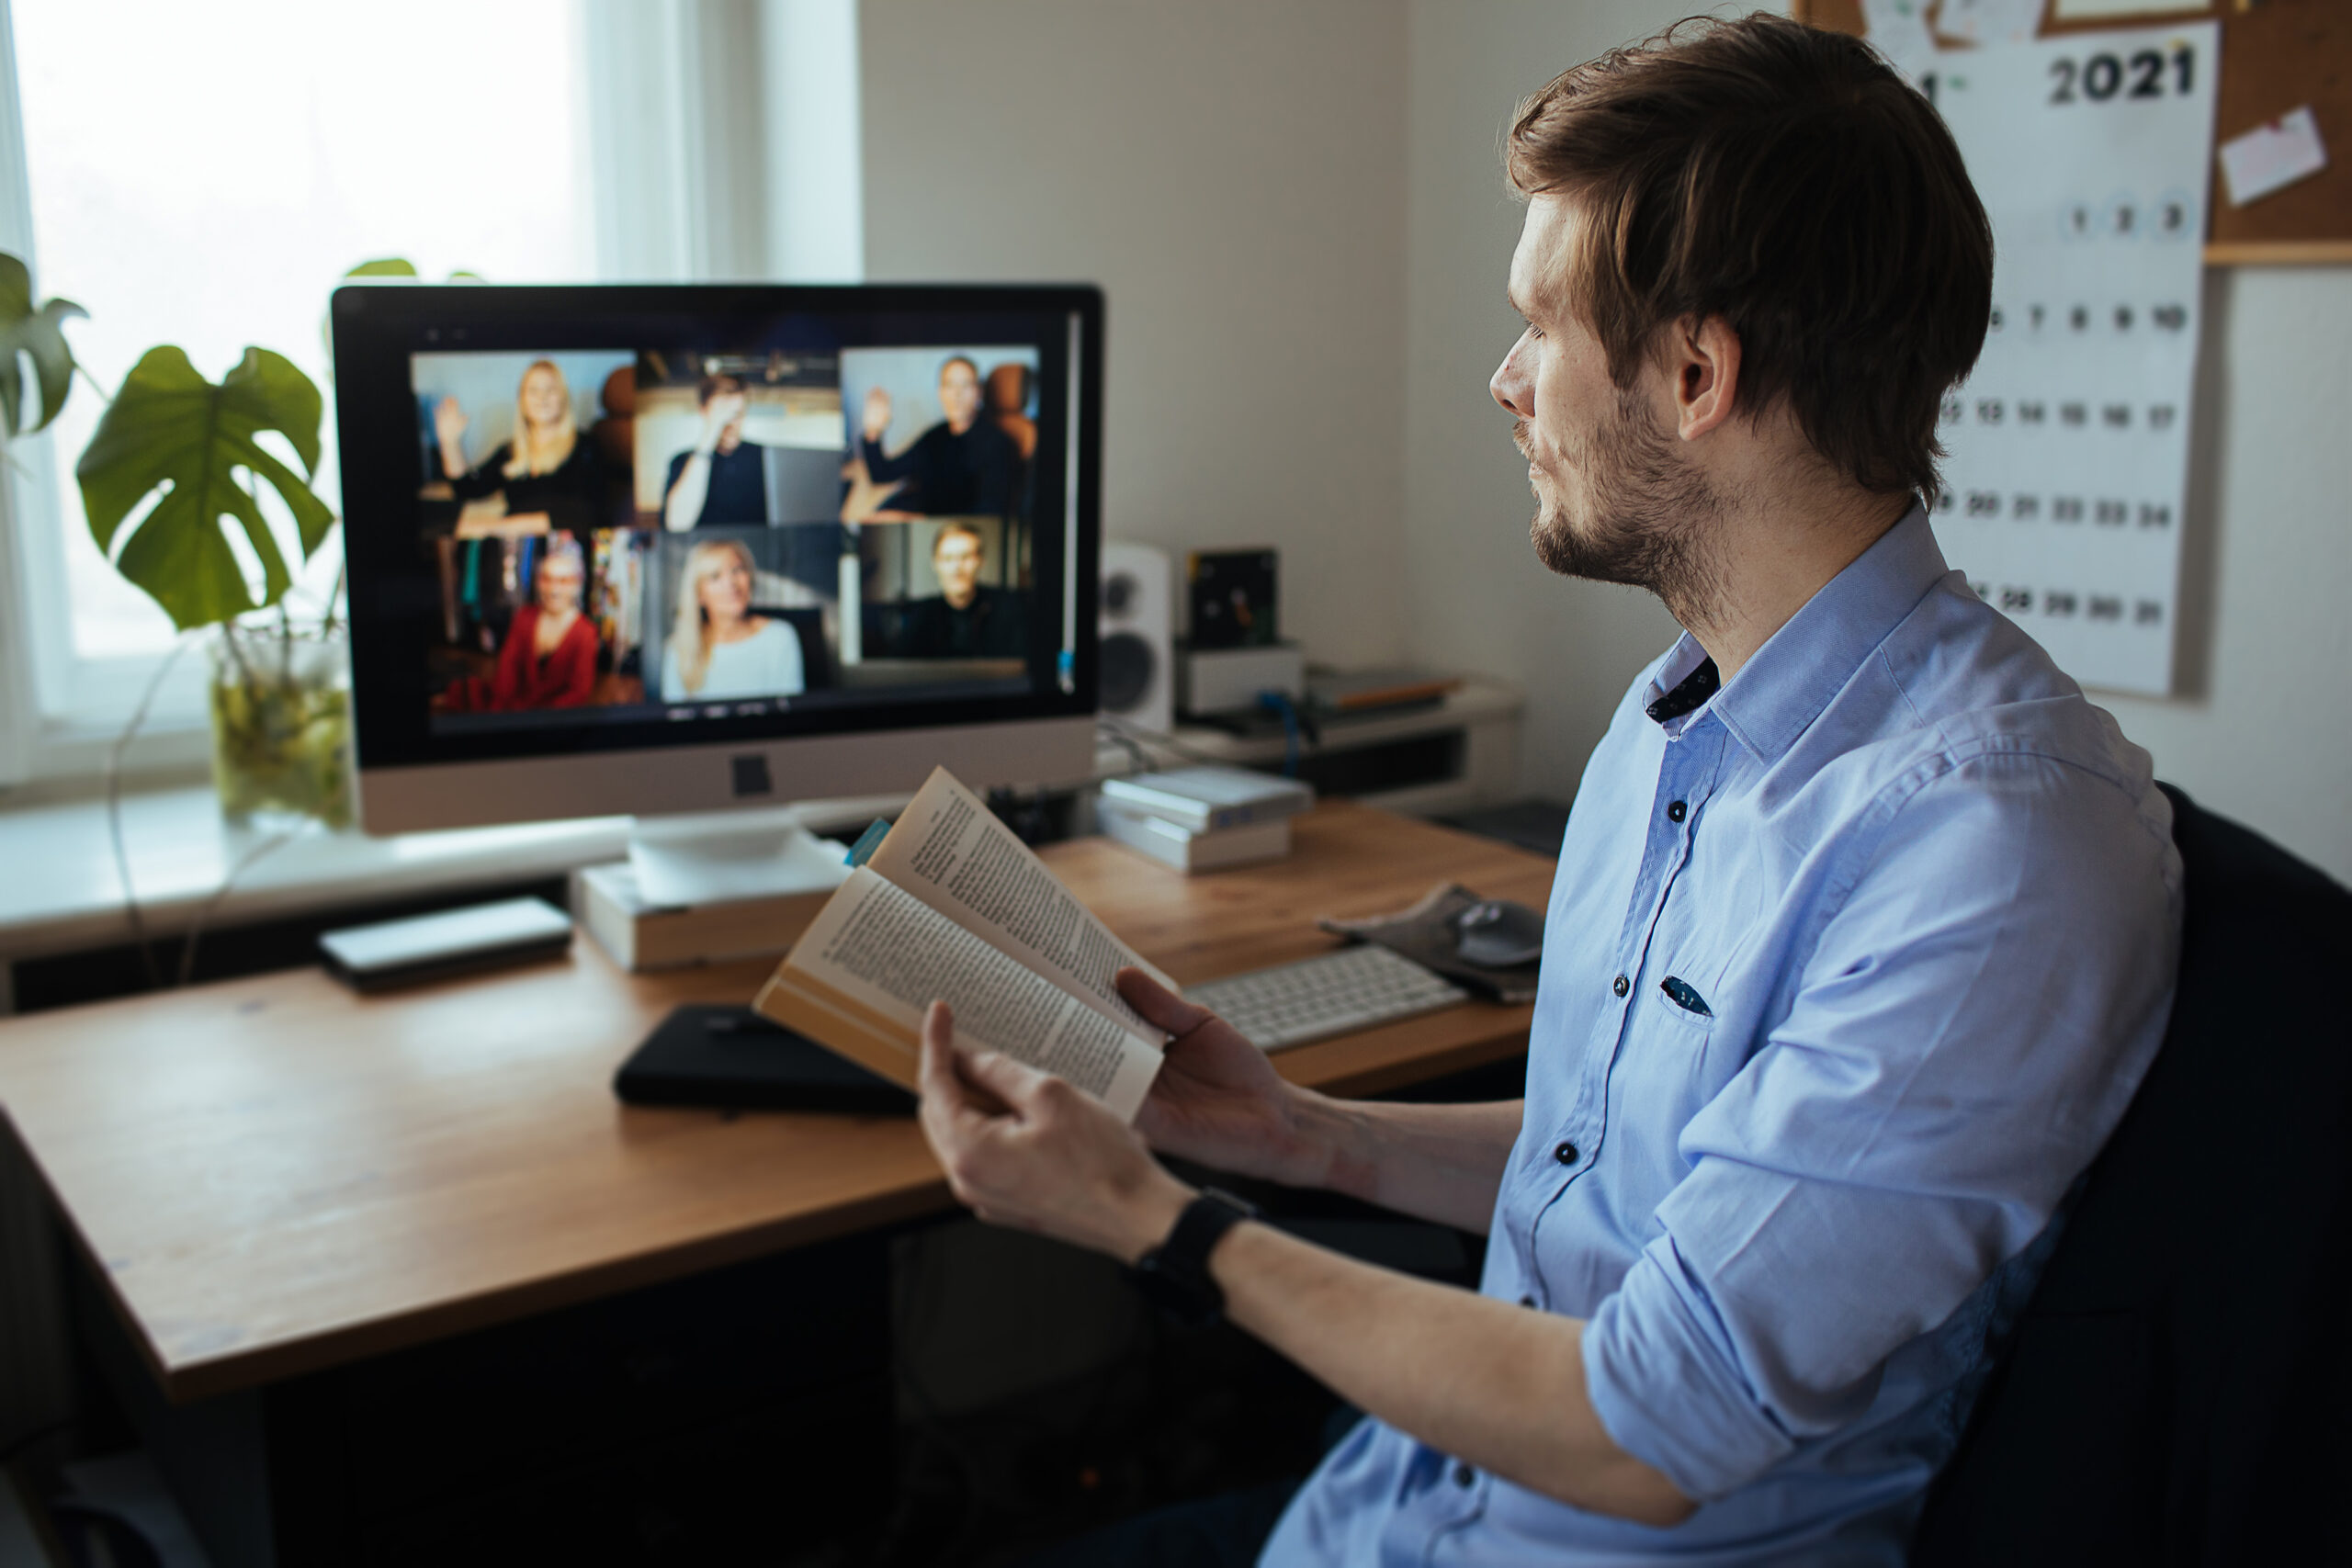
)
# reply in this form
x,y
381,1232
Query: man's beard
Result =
x,y
1646,513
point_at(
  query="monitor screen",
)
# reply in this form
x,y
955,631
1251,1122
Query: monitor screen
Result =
x,y
588,520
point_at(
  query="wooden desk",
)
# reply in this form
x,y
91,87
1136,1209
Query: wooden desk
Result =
x,y
273,1176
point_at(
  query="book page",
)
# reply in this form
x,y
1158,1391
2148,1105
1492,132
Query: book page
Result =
x,y
883,948
949,849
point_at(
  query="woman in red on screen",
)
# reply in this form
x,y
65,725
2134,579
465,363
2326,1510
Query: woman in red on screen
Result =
x,y
548,660
548,475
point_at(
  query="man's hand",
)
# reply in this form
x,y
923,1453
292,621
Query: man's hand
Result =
x,y
723,409
863,502
1032,1151
1217,1099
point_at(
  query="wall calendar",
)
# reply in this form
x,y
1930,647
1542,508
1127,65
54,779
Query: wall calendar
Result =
x,y
2069,442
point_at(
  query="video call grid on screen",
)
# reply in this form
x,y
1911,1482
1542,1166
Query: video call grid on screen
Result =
x,y
832,510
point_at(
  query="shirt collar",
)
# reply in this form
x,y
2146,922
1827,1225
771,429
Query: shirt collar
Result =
x,y
1792,678
1685,683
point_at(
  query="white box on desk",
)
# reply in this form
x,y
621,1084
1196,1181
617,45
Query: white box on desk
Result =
x,y
1208,799
1174,845
641,936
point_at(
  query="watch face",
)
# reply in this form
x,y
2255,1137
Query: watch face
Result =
x,y
1175,1274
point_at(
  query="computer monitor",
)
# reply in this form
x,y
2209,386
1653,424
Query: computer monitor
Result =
x,y
663,550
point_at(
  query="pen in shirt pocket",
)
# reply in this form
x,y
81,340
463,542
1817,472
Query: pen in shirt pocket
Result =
x,y
1683,996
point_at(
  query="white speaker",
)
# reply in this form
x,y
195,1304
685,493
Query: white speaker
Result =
x,y
1136,613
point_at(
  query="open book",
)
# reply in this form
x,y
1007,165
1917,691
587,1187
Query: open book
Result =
x,y
953,905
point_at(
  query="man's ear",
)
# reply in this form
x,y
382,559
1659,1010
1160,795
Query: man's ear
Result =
x,y
1702,366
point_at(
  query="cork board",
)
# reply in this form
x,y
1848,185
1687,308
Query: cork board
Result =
x,y
2276,55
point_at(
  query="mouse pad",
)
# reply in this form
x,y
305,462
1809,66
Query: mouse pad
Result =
x,y
1425,933
731,1058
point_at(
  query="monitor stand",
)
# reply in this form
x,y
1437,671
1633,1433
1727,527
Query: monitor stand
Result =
x,y
719,857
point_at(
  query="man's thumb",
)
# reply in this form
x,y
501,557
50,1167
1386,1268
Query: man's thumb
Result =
x,y
1159,1006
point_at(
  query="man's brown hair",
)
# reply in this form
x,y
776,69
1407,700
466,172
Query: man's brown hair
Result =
x,y
1783,178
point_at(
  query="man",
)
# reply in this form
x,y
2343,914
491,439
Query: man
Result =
x,y
964,465
1864,926
965,620
720,478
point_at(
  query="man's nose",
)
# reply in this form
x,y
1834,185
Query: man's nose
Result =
x,y
1510,387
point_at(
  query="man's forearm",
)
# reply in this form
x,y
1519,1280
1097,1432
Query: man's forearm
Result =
x,y
1435,1162
681,509
1497,1386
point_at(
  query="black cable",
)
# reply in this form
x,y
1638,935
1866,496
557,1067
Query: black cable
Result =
x,y
1166,743
1126,743
204,911
114,812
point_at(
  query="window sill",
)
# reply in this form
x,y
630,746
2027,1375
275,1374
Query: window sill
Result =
x,y
62,895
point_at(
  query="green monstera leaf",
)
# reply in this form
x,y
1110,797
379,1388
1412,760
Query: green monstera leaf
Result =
x,y
400,266
171,429
35,334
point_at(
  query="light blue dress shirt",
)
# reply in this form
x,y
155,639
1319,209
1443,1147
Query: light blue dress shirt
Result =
x,y
1847,975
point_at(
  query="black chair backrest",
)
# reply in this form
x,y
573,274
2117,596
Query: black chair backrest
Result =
x,y
2179,1387
816,658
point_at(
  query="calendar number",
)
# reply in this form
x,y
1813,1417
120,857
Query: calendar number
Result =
x,y
2102,78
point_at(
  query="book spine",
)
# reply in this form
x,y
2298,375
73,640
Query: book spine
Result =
x,y
1124,829
1183,812
612,926
1200,817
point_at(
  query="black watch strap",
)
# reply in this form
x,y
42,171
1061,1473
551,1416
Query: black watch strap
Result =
x,y
1175,1274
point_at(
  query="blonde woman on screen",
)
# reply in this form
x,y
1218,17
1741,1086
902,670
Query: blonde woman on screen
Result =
x,y
717,648
547,474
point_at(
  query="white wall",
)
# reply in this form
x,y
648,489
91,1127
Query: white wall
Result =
x,y
1481,601
2262,727
1305,292
1229,171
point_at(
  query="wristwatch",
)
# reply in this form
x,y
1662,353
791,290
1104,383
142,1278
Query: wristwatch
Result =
x,y
1175,1274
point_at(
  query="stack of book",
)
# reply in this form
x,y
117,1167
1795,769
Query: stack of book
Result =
x,y
641,935
1201,819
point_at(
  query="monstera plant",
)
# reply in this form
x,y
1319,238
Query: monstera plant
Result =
x,y
176,467
281,709
36,333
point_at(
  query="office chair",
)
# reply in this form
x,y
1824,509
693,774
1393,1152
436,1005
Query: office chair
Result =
x,y
2179,1387
816,654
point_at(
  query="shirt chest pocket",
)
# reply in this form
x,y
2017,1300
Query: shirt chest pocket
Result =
x,y
1679,1011
1672,1021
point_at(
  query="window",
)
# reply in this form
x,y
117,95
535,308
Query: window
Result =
x,y
204,174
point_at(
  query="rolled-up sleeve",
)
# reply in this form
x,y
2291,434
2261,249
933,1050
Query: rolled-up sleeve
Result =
x,y
1985,988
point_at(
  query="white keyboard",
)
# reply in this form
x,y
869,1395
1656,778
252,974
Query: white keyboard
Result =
x,y
1353,988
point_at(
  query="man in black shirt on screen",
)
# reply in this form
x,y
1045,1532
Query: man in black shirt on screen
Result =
x,y
722,478
964,466
966,621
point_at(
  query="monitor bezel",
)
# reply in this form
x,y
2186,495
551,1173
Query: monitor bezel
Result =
x,y
377,326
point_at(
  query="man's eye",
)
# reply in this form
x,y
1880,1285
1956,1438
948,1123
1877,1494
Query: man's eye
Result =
x,y
1533,331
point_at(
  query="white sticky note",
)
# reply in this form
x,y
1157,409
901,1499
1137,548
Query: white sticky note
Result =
x,y
2271,157
2076,10
1989,21
1898,29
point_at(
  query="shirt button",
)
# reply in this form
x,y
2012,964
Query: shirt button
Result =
x,y
1621,985
1567,1155
1675,811
1527,1300
1464,1475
